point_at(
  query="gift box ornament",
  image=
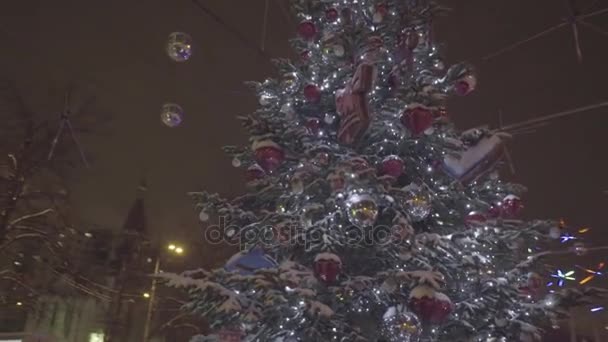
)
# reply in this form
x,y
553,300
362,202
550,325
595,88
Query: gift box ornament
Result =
x,y
477,159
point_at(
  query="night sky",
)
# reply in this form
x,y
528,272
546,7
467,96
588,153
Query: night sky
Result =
x,y
114,49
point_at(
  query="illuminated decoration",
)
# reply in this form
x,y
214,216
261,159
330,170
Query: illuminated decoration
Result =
x,y
584,230
597,309
563,277
175,249
96,337
332,161
146,295
592,273
567,237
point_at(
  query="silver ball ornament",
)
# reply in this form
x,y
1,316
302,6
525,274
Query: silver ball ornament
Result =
x,y
418,205
291,82
400,325
362,210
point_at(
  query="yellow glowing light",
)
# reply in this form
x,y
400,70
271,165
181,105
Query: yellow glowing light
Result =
x,y
586,280
179,250
19,303
411,328
96,337
146,295
584,230
172,247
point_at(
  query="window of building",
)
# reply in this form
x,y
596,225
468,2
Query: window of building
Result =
x,y
96,337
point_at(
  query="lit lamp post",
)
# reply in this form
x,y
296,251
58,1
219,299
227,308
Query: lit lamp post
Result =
x,y
151,296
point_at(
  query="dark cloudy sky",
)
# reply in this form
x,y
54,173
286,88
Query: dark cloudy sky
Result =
x,y
115,50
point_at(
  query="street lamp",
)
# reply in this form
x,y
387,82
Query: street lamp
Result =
x,y
174,249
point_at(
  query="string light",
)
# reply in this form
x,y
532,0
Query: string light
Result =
x,y
563,277
567,237
592,273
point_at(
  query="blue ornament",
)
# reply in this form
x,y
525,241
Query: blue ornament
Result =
x,y
246,263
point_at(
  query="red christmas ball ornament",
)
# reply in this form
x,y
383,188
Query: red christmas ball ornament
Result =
x,y
375,42
420,293
379,13
431,306
533,285
465,85
382,9
347,15
392,166
332,14
313,125
307,30
305,55
358,164
417,119
495,210
231,335
327,267
409,39
254,172
312,93
442,114
443,308
336,181
393,78
475,218
268,154
511,206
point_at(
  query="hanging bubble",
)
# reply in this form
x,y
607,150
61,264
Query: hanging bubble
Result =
x,y
171,115
179,46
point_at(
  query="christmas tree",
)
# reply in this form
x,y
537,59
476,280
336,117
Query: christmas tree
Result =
x,y
368,216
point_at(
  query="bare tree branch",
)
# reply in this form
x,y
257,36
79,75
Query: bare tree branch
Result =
x,y
29,216
21,237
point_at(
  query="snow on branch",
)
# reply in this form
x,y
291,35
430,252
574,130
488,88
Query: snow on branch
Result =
x,y
30,216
